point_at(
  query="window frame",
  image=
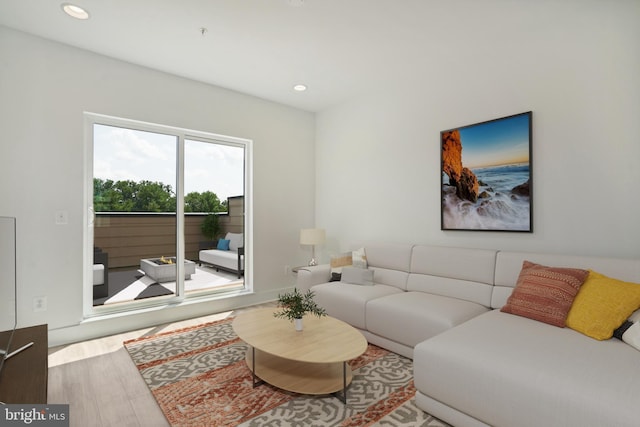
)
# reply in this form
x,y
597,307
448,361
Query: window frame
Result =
x,y
182,134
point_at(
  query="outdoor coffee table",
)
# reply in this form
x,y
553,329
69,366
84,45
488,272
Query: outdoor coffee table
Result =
x,y
311,361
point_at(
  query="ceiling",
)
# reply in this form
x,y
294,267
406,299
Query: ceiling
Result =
x,y
338,48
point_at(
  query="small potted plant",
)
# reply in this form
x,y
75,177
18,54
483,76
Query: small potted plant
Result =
x,y
294,305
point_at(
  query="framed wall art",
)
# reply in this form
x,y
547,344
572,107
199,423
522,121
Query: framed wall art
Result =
x,y
486,176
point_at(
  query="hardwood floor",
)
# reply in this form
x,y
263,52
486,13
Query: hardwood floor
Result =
x,y
101,384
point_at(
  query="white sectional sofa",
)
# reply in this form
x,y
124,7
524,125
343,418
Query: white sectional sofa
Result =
x,y
475,365
229,259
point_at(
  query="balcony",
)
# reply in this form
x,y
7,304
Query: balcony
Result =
x,y
122,240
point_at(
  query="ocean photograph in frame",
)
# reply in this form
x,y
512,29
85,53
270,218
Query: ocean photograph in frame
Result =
x,y
486,177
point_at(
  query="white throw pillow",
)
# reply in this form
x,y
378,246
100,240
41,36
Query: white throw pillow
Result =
x,y
359,258
357,276
339,261
632,336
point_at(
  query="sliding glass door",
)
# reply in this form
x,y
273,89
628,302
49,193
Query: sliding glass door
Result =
x,y
214,182
135,227
160,200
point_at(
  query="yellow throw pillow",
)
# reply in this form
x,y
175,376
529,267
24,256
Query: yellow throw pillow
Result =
x,y
602,305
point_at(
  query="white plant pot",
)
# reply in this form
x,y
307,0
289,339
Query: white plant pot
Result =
x,y
298,323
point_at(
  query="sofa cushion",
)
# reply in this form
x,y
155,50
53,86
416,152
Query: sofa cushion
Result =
x,y
225,259
412,317
453,272
602,305
236,240
389,256
500,368
98,274
545,293
347,302
476,292
390,263
388,277
357,276
475,265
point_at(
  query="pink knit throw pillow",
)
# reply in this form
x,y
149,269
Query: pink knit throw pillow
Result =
x,y
545,293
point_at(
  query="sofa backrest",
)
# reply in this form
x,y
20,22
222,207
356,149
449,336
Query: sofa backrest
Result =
x,y
236,240
453,272
483,276
509,264
390,263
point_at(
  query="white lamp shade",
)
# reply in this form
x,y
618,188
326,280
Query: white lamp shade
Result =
x,y
312,236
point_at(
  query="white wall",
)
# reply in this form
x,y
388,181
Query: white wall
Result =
x,y
44,89
576,65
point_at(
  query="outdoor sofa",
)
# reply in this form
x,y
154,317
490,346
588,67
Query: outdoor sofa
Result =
x,y
228,255
100,273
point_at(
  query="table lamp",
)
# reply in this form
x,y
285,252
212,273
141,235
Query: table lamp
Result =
x,y
312,237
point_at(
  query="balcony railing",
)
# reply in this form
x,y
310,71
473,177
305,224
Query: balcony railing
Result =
x,y
128,237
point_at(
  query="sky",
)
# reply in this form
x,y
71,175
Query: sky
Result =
x,y
499,142
126,154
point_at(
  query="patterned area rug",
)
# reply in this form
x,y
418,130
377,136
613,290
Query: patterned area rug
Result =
x,y
199,377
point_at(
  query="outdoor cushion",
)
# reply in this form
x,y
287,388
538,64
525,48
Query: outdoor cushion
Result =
x,y
236,240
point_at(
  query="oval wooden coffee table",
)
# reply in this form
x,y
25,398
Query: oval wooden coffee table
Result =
x,y
312,361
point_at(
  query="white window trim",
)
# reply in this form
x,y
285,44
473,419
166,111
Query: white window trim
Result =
x,y
89,311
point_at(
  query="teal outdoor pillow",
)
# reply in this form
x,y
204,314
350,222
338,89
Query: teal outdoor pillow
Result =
x,y
223,244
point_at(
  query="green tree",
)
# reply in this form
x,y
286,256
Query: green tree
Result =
x,y
122,196
203,202
131,196
99,194
153,197
112,196
149,196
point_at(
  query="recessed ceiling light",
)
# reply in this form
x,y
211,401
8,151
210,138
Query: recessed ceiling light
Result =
x,y
300,88
75,11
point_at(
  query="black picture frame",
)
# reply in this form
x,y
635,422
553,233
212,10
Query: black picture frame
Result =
x,y
486,176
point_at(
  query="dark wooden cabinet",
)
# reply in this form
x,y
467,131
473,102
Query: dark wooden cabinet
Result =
x,y
24,376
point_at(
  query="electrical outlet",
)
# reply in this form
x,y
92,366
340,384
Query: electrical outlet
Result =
x,y
40,304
